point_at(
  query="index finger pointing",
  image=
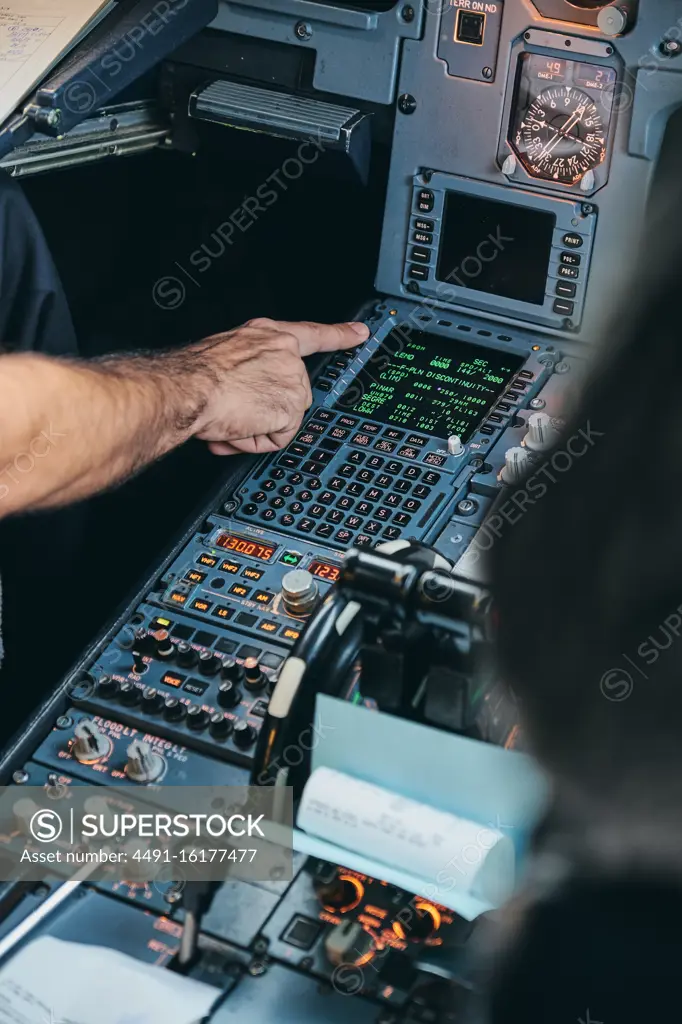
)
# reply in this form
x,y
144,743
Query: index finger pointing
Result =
x,y
327,337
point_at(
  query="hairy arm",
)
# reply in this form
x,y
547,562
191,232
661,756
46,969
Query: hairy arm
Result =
x,y
69,429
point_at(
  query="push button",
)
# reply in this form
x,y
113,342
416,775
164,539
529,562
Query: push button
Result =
x,y
424,237
571,259
425,200
418,273
424,225
420,255
564,307
566,289
572,241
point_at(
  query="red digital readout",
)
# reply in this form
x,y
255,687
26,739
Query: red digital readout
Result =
x,y
324,570
251,548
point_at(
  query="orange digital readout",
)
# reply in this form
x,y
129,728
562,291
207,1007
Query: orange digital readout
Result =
x,y
242,546
324,570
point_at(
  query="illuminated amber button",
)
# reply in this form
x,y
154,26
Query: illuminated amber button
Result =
x,y
291,634
262,597
200,605
230,567
252,574
240,590
205,559
194,576
178,598
268,627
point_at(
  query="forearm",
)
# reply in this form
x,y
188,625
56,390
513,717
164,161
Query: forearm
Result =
x,y
69,429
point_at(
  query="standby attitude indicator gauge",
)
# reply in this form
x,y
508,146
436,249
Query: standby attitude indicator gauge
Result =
x,y
560,126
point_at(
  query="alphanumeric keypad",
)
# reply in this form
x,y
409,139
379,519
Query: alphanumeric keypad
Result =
x,y
335,482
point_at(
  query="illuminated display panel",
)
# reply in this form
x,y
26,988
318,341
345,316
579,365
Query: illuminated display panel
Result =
x,y
432,384
242,546
324,570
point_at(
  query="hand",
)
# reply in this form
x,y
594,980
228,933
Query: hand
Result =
x,y
262,389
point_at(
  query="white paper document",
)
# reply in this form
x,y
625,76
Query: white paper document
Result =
x,y
34,35
51,980
434,844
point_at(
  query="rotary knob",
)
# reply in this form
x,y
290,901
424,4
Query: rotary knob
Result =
x,y
144,765
612,21
187,657
455,446
299,592
542,434
197,718
229,694
152,701
244,735
233,671
129,694
516,462
89,743
164,646
173,709
220,727
209,664
107,687
254,677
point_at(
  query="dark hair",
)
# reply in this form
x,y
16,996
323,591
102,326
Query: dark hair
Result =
x,y
588,582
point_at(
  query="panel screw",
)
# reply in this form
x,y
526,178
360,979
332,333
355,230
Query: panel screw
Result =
x,y
562,367
20,777
487,72
407,14
257,968
476,463
467,507
407,104
587,209
229,506
537,403
413,288
671,47
303,30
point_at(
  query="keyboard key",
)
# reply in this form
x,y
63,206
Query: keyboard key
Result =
x,y
277,474
375,462
361,439
363,541
268,514
268,485
259,497
373,494
343,536
299,449
314,483
313,468
339,433
296,479
317,428
385,446
394,435
297,507
408,452
324,530
347,471
411,505
287,520
372,527
435,460
250,509
305,525
413,473
431,479
421,492
357,458
365,476
306,495
307,438
391,533
316,511
335,516
353,522
326,498
393,499
383,514
364,509
383,480
345,503
321,456
337,484
402,486
347,421
278,503
370,428
416,439
325,415
286,491
401,519
327,445
289,462
393,467
355,490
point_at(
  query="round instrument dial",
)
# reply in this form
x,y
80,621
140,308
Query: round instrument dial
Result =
x,y
561,136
